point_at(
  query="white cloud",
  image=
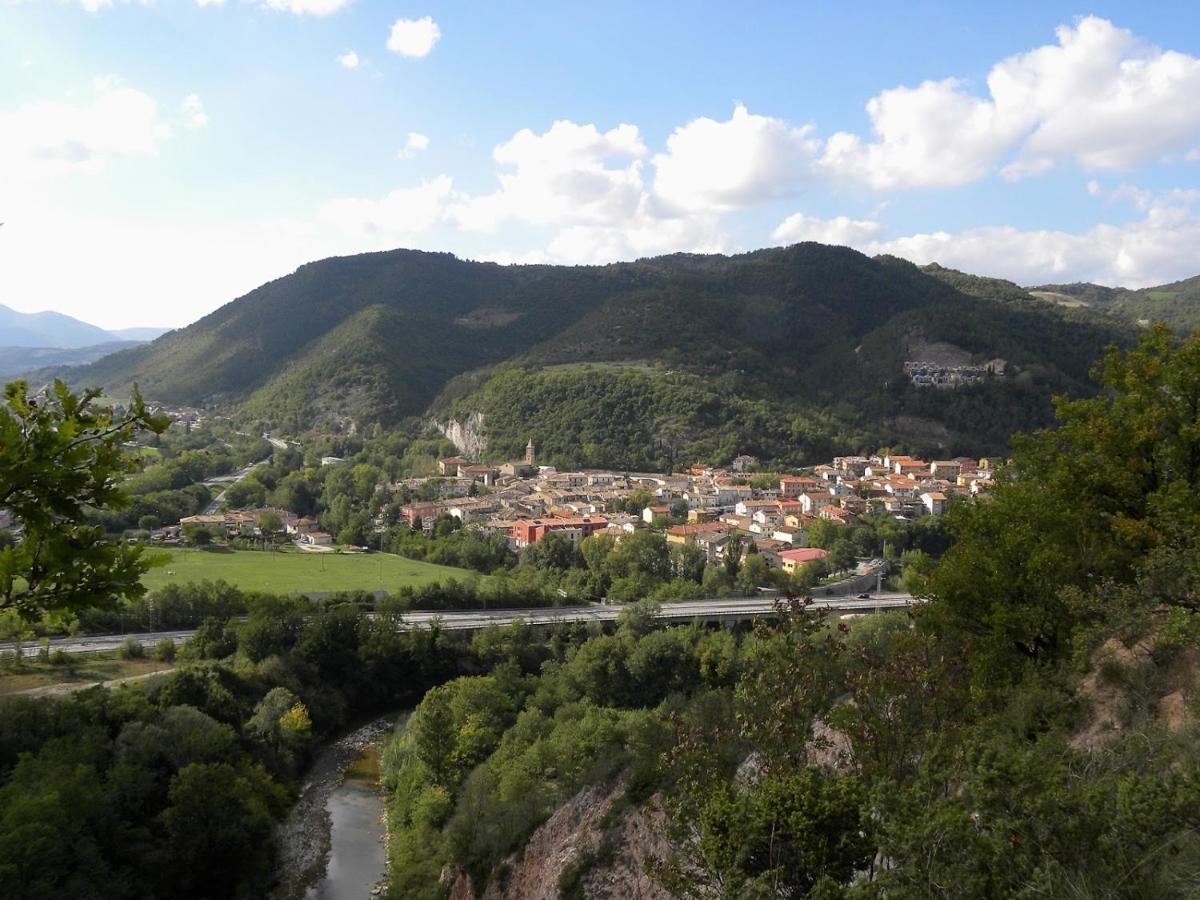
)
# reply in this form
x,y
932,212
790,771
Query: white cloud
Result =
x,y
52,138
562,177
210,2
349,60
194,116
643,235
1100,97
94,6
588,185
397,217
416,143
306,7
933,135
1155,249
747,159
413,38
841,230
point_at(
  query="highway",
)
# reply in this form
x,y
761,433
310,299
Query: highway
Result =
x,y
226,481
715,610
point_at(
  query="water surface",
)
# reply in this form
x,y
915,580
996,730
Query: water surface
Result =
x,y
357,861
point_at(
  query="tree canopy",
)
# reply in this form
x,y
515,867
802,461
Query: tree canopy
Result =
x,y
60,455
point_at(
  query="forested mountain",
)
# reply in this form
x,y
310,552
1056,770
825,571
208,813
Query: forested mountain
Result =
x,y
1177,304
800,347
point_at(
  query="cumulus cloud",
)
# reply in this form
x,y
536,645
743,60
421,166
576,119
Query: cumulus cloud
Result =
x,y
747,159
413,38
571,174
349,60
1100,97
841,230
641,235
194,116
1152,250
1157,248
306,7
397,217
416,143
588,185
52,137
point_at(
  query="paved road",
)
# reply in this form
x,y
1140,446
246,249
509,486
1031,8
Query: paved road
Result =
x,y
228,481
718,610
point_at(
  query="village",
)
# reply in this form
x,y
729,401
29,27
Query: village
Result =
x,y
711,508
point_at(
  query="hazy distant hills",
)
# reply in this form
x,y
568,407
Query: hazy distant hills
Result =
x,y
31,341
787,349
16,361
47,329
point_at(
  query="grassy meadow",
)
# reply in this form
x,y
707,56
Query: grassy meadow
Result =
x,y
291,572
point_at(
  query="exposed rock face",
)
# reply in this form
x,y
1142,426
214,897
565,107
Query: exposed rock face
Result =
x,y
576,830
467,435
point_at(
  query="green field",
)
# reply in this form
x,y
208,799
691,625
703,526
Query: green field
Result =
x,y
293,572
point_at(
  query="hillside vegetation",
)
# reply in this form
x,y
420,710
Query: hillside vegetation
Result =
x,y
1030,731
809,334
1177,304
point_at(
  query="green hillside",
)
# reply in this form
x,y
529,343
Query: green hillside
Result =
x,y
789,350
791,378
1177,304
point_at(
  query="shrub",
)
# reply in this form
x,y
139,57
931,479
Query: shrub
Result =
x,y
164,650
131,649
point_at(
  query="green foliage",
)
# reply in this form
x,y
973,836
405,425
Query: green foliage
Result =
x,y
1175,304
132,649
783,835
1109,494
59,455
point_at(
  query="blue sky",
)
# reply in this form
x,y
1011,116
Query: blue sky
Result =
x,y
158,159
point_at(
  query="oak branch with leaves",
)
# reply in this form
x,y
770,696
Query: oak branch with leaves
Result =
x,y
61,454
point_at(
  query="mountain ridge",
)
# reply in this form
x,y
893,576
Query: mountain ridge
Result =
x,y
782,342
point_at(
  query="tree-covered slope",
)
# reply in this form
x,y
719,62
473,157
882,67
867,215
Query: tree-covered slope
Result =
x,y
705,368
809,330
262,340
1177,304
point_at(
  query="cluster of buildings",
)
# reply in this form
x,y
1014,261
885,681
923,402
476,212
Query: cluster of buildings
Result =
x,y
241,523
706,507
932,374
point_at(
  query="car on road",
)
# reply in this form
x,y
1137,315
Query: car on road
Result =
x,y
865,596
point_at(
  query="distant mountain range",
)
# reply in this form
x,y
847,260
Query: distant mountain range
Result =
x,y
51,329
786,353
30,341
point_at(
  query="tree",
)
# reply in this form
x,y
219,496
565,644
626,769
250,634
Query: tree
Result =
x,y
842,555
270,525
1112,493
218,826
59,456
785,835
197,534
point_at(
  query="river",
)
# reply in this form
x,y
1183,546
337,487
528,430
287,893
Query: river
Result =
x,y
332,843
